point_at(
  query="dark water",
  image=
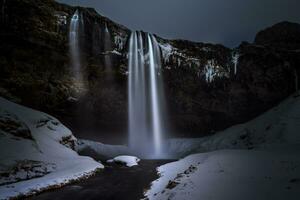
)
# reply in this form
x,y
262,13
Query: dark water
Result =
x,y
113,183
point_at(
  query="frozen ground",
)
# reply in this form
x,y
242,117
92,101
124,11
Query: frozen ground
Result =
x,y
277,127
256,160
36,152
230,175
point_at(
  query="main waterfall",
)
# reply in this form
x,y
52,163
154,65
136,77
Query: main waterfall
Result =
x,y
145,96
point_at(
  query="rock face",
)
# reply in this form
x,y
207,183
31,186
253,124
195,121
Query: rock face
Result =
x,y
35,63
283,35
208,87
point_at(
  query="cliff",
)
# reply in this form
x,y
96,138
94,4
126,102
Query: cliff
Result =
x,y
208,87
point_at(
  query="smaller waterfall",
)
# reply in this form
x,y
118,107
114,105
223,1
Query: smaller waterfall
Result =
x,y
74,46
235,60
108,49
106,28
209,72
145,96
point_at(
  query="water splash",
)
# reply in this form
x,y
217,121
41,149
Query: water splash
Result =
x,y
145,99
74,46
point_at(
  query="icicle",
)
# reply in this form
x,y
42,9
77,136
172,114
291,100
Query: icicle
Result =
x,y
235,60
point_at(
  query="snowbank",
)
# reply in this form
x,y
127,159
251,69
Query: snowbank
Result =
x,y
261,161
228,175
129,161
278,126
100,151
43,159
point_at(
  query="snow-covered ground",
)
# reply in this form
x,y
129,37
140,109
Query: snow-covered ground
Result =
x,y
230,175
36,152
129,161
256,160
99,150
278,126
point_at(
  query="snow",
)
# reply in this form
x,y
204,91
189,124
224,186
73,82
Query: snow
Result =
x,y
230,174
43,150
61,18
212,70
101,150
256,160
167,50
25,170
206,49
116,52
280,125
119,42
176,56
72,99
129,161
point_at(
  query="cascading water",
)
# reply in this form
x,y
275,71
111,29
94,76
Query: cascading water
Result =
x,y
108,49
145,96
235,59
74,46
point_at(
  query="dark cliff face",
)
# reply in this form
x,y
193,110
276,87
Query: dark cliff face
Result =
x,y
245,82
284,35
35,63
208,87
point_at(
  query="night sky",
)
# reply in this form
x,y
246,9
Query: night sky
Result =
x,y
218,21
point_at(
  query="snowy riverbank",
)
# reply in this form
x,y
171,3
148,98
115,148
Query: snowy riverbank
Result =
x,y
256,160
36,152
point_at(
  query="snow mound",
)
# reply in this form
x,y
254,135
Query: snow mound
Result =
x,y
39,154
100,151
261,161
230,174
129,161
278,126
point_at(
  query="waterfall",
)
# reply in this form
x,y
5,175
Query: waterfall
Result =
x,y
235,60
108,49
74,46
145,96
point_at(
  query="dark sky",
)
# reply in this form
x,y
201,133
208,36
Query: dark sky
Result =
x,y
218,21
